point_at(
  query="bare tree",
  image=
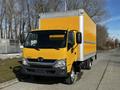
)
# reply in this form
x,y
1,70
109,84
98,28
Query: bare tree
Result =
x,y
95,8
9,14
116,42
53,5
102,36
20,16
1,18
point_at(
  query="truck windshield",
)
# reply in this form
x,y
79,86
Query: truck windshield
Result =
x,y
46,39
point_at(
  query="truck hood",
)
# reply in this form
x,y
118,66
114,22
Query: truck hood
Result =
x,y
44,53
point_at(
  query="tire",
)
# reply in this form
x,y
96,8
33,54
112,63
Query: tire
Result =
x,y
88,64
22,77
96,56
79,73
71,77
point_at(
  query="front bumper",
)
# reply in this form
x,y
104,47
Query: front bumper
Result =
x,y
54,72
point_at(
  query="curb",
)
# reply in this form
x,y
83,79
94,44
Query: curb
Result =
x,y
7,56
8,83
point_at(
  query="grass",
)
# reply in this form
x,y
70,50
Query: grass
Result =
x,y
5,72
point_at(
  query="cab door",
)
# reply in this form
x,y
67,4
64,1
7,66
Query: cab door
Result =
x,y
71,49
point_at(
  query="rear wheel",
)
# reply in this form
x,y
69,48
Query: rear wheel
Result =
x,y
88,64
96,56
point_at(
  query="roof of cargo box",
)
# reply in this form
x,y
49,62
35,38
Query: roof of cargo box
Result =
x,y
62,14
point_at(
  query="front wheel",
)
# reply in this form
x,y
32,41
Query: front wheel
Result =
x,y
71,77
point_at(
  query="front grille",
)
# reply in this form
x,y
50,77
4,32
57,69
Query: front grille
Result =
x,y
44,63
41,66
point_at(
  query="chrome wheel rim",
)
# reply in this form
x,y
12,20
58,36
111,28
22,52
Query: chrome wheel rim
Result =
x,y
90,64
72,75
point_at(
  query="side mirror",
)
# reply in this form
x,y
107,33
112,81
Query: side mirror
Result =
x,y
78,37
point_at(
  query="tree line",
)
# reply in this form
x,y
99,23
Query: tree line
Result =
x,y
20,16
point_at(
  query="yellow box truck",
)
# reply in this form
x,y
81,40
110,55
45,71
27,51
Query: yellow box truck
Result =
x,y
64,42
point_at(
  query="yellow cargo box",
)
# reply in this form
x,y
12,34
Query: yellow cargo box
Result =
x,y
77,20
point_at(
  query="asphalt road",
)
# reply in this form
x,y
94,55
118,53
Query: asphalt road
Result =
x,y
104,75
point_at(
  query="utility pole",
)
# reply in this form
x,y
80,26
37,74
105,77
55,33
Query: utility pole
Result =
x,y
65,1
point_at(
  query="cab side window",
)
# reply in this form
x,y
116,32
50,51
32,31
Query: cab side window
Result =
x,y
71,39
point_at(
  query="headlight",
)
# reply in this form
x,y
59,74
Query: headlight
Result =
x,y
60,64
25,62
